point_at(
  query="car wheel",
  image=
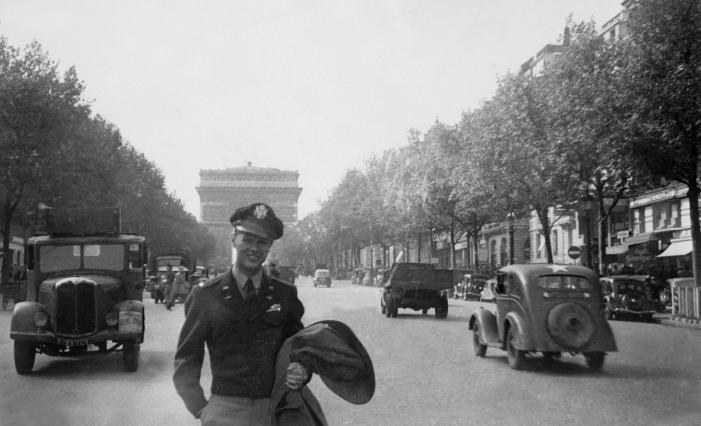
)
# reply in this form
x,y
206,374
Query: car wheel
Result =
x,y
25,354
130,356
395,309
480,349
383,306
516,357
595,360
388,307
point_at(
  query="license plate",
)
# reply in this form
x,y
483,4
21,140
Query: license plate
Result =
x,y
71,342
130,322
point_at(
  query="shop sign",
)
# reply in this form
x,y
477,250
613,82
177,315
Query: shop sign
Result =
x,y
640,256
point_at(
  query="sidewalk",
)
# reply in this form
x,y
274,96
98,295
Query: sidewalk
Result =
x,y
665,318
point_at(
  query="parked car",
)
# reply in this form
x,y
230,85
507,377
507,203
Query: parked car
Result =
x,y
85,284
547,309
628,296
322,277
487,294
470,286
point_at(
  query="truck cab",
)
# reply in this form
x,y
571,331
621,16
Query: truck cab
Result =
x,y
85,281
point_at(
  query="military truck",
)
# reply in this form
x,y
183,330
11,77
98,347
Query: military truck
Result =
x,y
417,286
85,281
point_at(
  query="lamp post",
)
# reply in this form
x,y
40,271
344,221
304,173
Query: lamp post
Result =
x,y
587,205
511,218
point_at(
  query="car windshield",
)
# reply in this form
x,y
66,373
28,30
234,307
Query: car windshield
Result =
x,y
94,256
565,282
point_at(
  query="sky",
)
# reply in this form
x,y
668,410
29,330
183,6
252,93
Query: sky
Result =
x,y
316,86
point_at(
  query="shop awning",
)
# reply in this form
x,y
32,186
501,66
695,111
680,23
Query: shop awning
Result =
x,y
619,249
638,239
677,248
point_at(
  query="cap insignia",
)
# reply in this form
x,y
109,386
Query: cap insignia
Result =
x,y
260,212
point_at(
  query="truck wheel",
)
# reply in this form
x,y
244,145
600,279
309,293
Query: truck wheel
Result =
x,y
480,349
516,358
130,356
595,360
388,307
442,308
24,356
395,309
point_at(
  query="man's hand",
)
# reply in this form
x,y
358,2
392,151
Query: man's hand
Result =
x,y
296,375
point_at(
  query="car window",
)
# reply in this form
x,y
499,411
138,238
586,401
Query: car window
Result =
x,y
56,258
104,256
564,282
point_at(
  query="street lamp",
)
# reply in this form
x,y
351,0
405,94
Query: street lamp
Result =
x,y
587,206
511,218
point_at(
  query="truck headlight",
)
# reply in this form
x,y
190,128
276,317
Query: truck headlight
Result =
x,y
112,318
41,318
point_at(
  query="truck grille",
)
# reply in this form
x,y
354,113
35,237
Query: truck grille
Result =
x,y
75,308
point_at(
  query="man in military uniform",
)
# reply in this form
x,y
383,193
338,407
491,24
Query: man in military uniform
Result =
x,y
243,316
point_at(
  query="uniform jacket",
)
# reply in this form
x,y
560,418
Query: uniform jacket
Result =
x,y
331,350
242,338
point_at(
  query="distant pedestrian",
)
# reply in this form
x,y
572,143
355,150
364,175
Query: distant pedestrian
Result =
x,y
178,288
274,271
170,276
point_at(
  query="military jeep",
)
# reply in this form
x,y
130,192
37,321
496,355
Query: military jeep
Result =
x,y
85,282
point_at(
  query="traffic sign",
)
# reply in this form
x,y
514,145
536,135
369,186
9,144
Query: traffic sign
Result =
x,y
574,252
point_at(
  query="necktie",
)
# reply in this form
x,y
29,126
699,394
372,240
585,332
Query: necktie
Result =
x,y
249,290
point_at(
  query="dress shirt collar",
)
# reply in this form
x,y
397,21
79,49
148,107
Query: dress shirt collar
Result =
x,y
241,278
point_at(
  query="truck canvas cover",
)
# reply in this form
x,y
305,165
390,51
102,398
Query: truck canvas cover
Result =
x,y
420,276
84,221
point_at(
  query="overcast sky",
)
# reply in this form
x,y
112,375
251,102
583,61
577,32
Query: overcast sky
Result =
x,y
316,86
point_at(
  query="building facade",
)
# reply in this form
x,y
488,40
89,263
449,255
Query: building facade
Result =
x,y
223,191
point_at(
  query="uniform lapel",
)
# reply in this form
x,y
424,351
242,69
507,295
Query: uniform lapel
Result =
x,y
231,296
262,301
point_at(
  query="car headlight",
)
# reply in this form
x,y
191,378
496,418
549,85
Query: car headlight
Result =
x,y
41,318
112,318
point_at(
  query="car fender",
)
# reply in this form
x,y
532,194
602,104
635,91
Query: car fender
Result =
x,y
23,317
487,325
524,340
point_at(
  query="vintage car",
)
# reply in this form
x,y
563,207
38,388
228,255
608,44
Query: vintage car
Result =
x,y
322,277
416,286
85,284
547,309
470,286
628,296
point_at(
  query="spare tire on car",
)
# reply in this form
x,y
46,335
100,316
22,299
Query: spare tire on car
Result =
x,y
570,325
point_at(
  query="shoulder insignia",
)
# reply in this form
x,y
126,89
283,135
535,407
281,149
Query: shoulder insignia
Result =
x,y
211,282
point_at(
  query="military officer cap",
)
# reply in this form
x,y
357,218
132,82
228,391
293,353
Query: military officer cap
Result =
x,y
258,219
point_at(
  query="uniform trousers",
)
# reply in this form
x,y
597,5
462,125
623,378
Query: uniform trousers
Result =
x,y
235,410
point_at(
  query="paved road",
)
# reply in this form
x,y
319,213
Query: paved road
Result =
x,y
426,375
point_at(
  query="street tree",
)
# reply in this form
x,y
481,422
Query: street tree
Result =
x,y
663,69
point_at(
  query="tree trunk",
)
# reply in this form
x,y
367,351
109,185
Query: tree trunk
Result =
x,y
545,225
693,196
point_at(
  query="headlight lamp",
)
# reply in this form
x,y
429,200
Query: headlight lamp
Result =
x,y
112,318
41,318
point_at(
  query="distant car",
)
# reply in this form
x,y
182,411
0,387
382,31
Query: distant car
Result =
x,y
487,294
322,277
547,309
628,296
470,286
